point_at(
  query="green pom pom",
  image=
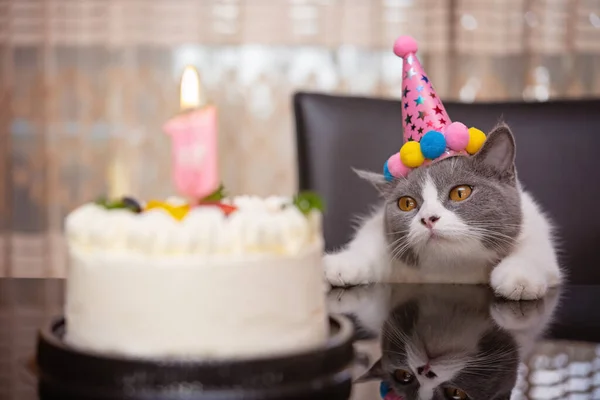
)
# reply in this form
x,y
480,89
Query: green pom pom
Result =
x,y
308,201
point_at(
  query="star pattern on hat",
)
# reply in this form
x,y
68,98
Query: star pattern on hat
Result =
x,y
422,110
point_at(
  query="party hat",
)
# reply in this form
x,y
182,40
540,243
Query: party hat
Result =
x,y
429,134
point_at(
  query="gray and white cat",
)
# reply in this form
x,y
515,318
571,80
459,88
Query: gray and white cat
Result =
x,y
446,342
458,220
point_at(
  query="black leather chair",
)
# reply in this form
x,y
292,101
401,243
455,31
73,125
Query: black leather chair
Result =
x,y
557,158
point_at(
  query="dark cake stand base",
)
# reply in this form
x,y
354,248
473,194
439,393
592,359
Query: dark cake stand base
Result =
x,y
66,373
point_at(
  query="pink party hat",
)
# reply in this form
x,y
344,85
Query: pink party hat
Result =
x,y
429,134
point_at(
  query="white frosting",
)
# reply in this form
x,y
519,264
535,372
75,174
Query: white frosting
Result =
x,y
147,285
259,226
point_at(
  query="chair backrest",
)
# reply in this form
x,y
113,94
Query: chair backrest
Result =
x,y
557,159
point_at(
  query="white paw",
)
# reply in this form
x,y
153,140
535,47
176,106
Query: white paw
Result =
x,y
340,271
517,316
369,304
515,279
327,287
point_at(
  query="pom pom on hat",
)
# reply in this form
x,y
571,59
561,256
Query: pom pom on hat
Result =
x,y
395,166
384,389
411,155
476,140
433,145
405,45
457,136
386,172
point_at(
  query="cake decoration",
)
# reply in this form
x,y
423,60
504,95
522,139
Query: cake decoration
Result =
x,y
429,133
176,211
305,201
194,140
127,203
308,201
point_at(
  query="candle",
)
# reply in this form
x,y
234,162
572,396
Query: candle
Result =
x,y
193,135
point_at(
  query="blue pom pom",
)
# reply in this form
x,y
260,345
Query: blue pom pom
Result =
x,y
433,145
386,173
384,389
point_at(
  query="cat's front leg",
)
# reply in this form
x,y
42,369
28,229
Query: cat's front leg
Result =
x,y
532,267
364,260
525,276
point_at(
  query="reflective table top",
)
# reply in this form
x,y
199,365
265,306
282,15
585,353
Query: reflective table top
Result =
x,y
412,341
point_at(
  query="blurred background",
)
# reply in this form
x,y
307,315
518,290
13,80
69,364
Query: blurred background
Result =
x,y
86,85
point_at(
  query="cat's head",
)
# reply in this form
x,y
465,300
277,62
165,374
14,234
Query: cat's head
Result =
x,y
459,206
447,350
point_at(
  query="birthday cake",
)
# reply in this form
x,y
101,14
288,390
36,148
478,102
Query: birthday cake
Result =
x,y
226,277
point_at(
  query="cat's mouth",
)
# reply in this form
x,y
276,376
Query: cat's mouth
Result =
x,y
436,236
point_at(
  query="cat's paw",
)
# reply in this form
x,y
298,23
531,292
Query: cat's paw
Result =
x,y
341,271
367,304
514,279
517,316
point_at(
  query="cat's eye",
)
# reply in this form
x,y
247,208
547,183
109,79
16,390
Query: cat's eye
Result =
x,y
402,376
460,193
406,203
453,393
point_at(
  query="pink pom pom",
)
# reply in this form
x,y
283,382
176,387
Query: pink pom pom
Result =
x,y
405,45
392,396
457,136
395,166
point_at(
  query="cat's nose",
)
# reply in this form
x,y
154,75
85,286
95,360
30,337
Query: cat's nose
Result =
x,y
430,221
426,371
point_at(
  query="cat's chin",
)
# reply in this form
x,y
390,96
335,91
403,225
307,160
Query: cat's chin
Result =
x,y
435,239
439,242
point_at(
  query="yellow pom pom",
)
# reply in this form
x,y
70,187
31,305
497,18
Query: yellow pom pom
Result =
x,y
411,155
476,140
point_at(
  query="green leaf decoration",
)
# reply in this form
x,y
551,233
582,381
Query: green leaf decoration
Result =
x,y
118,204
101,201
308,201
217,195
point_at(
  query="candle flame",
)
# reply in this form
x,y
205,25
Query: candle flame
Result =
x,y
190,89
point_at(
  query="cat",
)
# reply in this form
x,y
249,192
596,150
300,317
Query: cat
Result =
x,y
458,220
446,342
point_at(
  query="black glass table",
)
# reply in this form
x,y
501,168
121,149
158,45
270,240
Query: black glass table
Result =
x,y
432,341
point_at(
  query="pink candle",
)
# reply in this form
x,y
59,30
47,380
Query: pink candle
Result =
x,y
194,141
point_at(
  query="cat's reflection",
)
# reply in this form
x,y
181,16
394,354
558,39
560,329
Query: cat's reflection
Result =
x,y
445,342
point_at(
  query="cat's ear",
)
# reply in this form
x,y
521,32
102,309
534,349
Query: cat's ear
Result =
x,y
498,151
375,179
372,374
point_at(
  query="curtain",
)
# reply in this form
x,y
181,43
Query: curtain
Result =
x,y
85,86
